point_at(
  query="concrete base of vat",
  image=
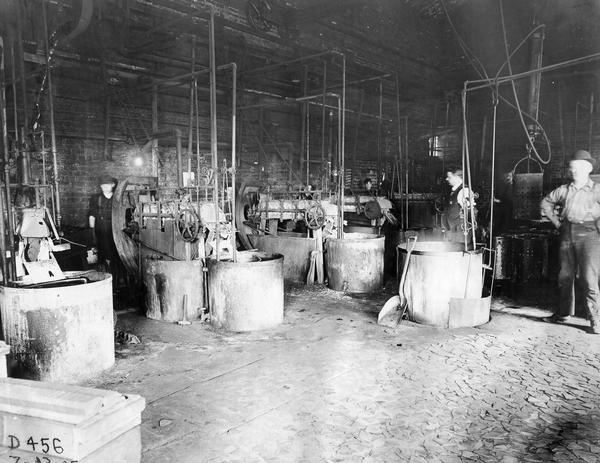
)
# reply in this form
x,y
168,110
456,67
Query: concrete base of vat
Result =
x,y
61,334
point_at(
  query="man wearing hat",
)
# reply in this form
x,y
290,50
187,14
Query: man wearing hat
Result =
x,y
100,220
579,204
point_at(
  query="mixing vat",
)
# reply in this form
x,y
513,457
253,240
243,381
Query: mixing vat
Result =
x,y
173,290
246,295
355,263
62,332
437,272
296,251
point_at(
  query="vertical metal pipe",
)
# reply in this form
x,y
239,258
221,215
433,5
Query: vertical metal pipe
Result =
x,y
3,260
191,121
179,158
9,216
51,111
343,147
323,169
379,134
493,176
399,161
537,46
154,157
406,168
233,157
106,127
591,126
20,156
21,59
213,123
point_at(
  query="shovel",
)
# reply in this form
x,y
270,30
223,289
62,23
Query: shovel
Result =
x,y
398,304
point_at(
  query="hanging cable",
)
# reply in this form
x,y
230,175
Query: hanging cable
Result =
x,y
514,89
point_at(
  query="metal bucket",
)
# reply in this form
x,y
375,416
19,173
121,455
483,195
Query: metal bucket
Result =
x,y
248,295
296,252
62,333
355,263
173,290
527,192
437,272
531,257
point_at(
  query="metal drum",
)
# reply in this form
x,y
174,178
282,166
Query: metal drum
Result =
x,y
61,332
296,252
531,257
355,263
173,290
503,263
439,271
246,295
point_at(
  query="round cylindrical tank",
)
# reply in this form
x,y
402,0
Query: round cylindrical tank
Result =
x,y
437,272
355,263
246,295
62,331
173,290
296,251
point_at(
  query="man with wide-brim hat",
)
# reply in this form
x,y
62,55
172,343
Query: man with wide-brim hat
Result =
x,y
577,219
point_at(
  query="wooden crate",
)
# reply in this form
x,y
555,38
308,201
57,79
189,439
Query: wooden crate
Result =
x,y
63,421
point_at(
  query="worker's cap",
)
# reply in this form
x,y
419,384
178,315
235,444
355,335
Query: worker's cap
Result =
x,y
106,180
583,155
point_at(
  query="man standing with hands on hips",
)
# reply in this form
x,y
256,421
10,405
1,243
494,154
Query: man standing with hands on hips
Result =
x,y
578,221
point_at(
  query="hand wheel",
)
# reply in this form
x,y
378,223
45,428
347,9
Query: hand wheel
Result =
x,y
188,225
314,216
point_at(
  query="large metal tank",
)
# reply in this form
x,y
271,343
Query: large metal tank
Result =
x,y
173,290
355,263
246,295
62,332
437,272
296,251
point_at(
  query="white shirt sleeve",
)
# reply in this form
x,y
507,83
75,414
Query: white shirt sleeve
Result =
x,y
463,194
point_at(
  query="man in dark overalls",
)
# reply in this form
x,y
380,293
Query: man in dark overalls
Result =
x,y
100,220
456,207
579,238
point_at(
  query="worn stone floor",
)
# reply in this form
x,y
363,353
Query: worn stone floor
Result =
x,y
330,385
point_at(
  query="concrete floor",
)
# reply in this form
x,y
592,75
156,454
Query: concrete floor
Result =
x,y
330,385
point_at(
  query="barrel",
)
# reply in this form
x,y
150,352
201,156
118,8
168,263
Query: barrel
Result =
x,y
62,332
173,290
437,272
355,263
246,295
295,250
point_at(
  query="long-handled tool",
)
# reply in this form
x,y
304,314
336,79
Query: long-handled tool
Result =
x,y
398,304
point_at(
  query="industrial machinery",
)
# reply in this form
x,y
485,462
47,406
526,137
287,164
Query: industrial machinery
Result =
x,y
260,211
170,222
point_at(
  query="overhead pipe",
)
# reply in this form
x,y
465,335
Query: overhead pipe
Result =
x,y
51,110
7,199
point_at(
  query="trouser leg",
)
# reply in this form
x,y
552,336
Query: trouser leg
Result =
x,y
566,279
588,257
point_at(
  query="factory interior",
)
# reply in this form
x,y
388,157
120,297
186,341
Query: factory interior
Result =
x,y
299,231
